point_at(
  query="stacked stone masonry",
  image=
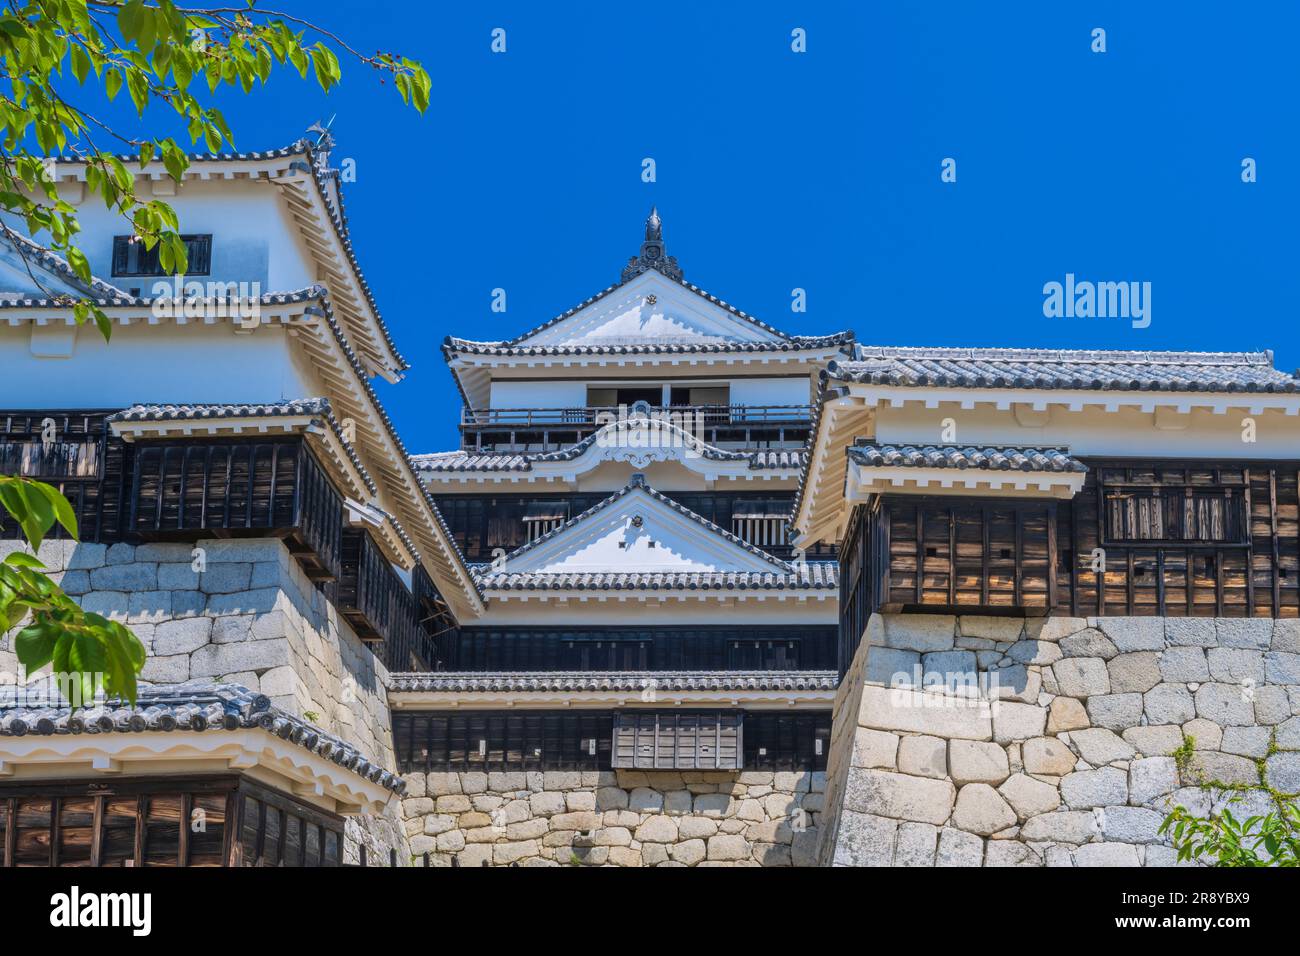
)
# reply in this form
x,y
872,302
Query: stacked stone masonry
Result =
x,y
1055,741
614,818
240,611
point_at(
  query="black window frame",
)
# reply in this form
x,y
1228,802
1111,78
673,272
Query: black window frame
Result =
x,y
198,245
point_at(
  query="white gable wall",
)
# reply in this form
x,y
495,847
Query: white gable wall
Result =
x,y
625,315
607,541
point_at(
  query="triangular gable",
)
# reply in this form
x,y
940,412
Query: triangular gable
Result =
x,y
638,530
650,309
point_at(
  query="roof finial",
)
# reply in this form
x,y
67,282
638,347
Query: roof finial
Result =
x,y
652,252
654,226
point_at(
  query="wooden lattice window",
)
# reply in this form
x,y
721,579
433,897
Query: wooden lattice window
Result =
x,y
761,530
678,740
542,517
1180,505
486,741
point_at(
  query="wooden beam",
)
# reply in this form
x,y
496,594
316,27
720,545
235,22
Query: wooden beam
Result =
x,y
97,832
1272,518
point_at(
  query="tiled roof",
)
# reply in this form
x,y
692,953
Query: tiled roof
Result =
x,y
364,380
763,460
288,408
1064,369
814,575
465,461
562,681
790,343
1004,458
198,707
55,263
339,222
107,296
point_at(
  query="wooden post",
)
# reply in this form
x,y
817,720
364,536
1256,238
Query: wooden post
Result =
x,y
96,832
1272,520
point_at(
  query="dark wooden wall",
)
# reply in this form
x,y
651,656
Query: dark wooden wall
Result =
x,y
163,822
585,740
808,647
1076,557
1255,578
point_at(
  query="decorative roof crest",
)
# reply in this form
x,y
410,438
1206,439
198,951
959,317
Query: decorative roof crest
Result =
x,y
652,252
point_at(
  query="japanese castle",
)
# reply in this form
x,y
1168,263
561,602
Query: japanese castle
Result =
x,y
692,590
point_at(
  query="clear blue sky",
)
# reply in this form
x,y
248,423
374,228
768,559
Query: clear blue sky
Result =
x,y
819,170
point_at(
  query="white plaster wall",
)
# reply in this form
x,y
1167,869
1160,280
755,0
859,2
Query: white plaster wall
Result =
x,y
744,391
538,394
253,237
1124,433
162,363
770,391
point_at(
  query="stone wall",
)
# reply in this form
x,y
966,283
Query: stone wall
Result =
x,y
249,617
1060,741
614,818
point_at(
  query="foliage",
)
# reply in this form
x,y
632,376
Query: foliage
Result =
x,y
1227,841
95,653
161,55
1183,754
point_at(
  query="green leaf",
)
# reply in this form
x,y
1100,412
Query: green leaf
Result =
x,y
80,63
62,508
112,83
175,160
34,645
130,19
79,263
24,560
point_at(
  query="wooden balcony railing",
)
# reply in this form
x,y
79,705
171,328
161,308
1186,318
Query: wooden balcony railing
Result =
x,y
546,429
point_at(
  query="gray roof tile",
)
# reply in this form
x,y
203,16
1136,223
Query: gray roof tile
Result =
x,y
992,458
815,575
198,706
1064,369
562,681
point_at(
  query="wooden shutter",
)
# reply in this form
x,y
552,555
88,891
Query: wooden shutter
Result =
x,y
677,740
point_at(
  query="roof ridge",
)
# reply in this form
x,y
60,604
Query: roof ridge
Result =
x,y
864,352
